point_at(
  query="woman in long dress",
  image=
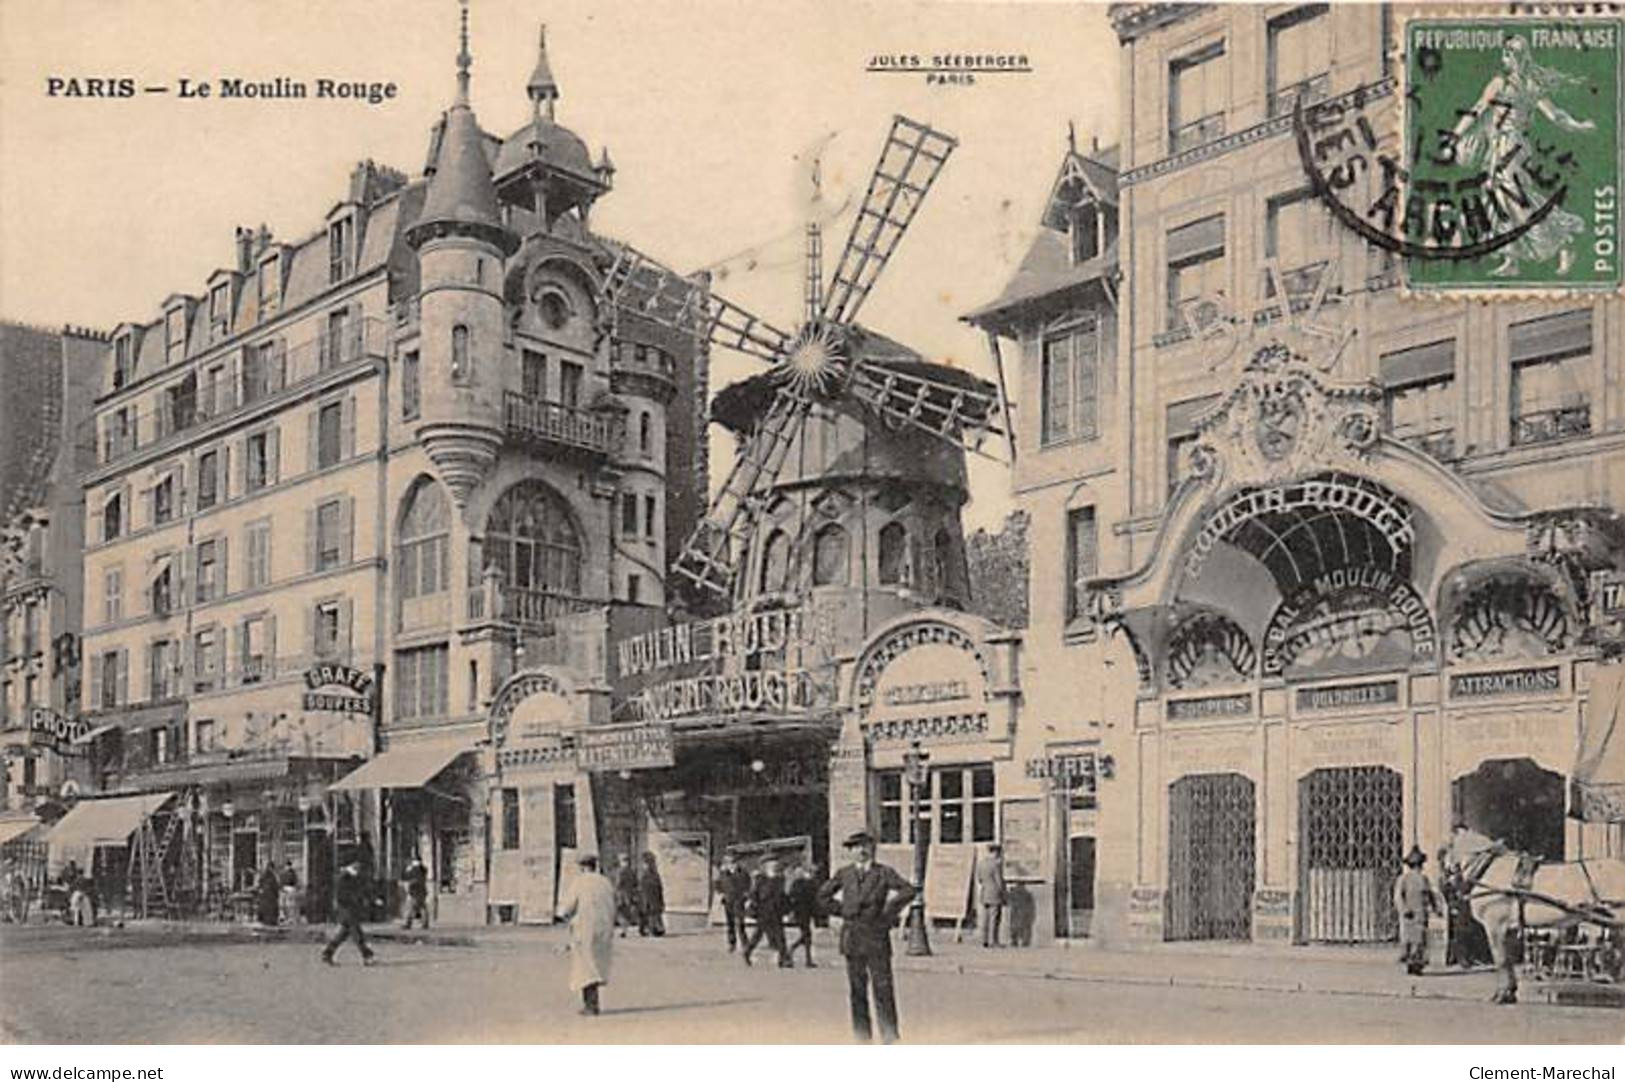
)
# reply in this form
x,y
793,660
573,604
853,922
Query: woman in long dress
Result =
x,y
1491,132
589,906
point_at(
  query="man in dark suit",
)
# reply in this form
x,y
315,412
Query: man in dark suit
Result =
x,y
872,897
733,883
351,898
768,903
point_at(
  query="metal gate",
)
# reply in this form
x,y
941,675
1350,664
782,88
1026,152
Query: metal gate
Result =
x,y
1211,820
1350,826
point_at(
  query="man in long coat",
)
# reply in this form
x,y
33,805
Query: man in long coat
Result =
x,y
1414,898
733,883
872,896
651,898
589,906
990,890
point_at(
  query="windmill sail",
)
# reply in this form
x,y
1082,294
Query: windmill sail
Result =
x,y
1597,789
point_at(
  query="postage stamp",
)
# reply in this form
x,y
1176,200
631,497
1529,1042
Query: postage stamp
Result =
x,y
1511,153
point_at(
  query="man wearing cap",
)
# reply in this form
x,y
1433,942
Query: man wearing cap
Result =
x,y
1414,898
991,890
871,898
350,896
589,906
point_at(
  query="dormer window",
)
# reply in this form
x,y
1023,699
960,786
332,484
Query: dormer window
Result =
x,y
123,353
340,241
175,335
1086,227
220,310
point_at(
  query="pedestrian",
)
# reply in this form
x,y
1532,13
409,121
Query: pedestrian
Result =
x,y
589,905
1023,914
416,880
1414,898
872,896
733,884
804,908
626,896
990,890
81,910
350,897
289,894
768,904
651,899
268,896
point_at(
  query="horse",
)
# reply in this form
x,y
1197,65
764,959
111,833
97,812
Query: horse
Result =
x,y
1510,891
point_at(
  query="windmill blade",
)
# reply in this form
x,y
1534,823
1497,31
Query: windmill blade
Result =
x,y
909,163
712,555
964,416
642,286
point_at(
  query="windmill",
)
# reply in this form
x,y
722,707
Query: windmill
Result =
x,y
823,360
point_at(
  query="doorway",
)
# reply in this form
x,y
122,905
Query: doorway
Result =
x,y
1211,826
245,859
1350,826
1514,801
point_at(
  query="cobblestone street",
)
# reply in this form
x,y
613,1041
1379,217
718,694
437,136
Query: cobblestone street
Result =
x,y
511,989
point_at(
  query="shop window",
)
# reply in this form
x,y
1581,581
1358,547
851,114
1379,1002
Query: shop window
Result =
x,y
1551,377
1196,98
982,804
510,818
961,801
890,786
893,554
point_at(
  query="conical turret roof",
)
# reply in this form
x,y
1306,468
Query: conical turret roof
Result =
x,y
461,189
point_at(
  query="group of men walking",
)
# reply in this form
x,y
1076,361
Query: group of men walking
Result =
x,y
640,897
768,899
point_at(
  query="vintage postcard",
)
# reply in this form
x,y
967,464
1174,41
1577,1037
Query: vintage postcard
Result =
x,y
713,523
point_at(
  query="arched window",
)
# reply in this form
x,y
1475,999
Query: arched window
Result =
x,y
831,564
894,554
532,541
643,432
775,561
423,543
460,371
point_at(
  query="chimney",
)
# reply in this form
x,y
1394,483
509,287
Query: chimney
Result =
x,y
245,250
262,239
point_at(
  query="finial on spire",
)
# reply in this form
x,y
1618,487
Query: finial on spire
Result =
x,y
464,60
1072,136
543,89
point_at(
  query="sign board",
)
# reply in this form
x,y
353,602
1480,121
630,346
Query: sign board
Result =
x,y
535,889
1211,706
46,726
1021,832
1064,766
1535,680
948,873
1272,915
357,693
684,860
626,747
1611,594
1349,696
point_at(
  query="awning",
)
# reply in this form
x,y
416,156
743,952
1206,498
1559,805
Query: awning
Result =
x,y
401,768
12,829
85,738
105,822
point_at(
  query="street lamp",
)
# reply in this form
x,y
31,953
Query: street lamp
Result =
x,y
917,767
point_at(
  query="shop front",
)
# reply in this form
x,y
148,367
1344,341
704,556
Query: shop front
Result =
x,y
1342,652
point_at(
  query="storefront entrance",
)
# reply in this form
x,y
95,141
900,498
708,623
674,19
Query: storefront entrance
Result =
x,y
1211,826
1350,826
1513,801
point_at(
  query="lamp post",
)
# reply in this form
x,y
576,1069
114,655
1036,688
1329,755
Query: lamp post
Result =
x,y
917,767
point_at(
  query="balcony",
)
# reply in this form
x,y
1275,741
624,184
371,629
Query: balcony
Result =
x,y
498,602
1196,133
267,369
1284,101
534,421
1549,426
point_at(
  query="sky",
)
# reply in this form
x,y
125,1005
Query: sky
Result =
x,y
710,110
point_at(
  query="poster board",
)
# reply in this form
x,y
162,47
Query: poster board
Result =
x,y
535,887
791,853
1021,830
568,870
684,860
949,871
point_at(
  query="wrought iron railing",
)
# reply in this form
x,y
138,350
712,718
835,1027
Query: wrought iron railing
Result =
x,y
568,426
1197,132
1310,90
494,600
1546,426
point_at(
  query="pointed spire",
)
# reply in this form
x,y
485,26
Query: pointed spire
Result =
x,y
605,166
542,88
464,60
1072,136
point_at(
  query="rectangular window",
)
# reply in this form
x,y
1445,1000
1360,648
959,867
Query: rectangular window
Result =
x,y
268,285
174,335
113,594
421,677
1298,236
112,517
259,366
163,501
1196,98
329,617
1181,433
1057,406
257,467
333,341
1196,268
534,375
1551,377
629,514
203,735
649,517
329,534
219,310
411,389
889,783
1299,58
163,592
634,586
109,668
258,572
329,434
1071,384
121,361
1419,396
569,384
339,238
1082,558
208,479
161,675
209,585
510,818
950,807
206,659
254,649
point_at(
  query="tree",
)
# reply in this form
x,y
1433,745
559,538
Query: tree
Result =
x,y
998,571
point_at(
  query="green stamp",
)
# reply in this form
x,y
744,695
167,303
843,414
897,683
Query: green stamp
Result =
x,y
1512,154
